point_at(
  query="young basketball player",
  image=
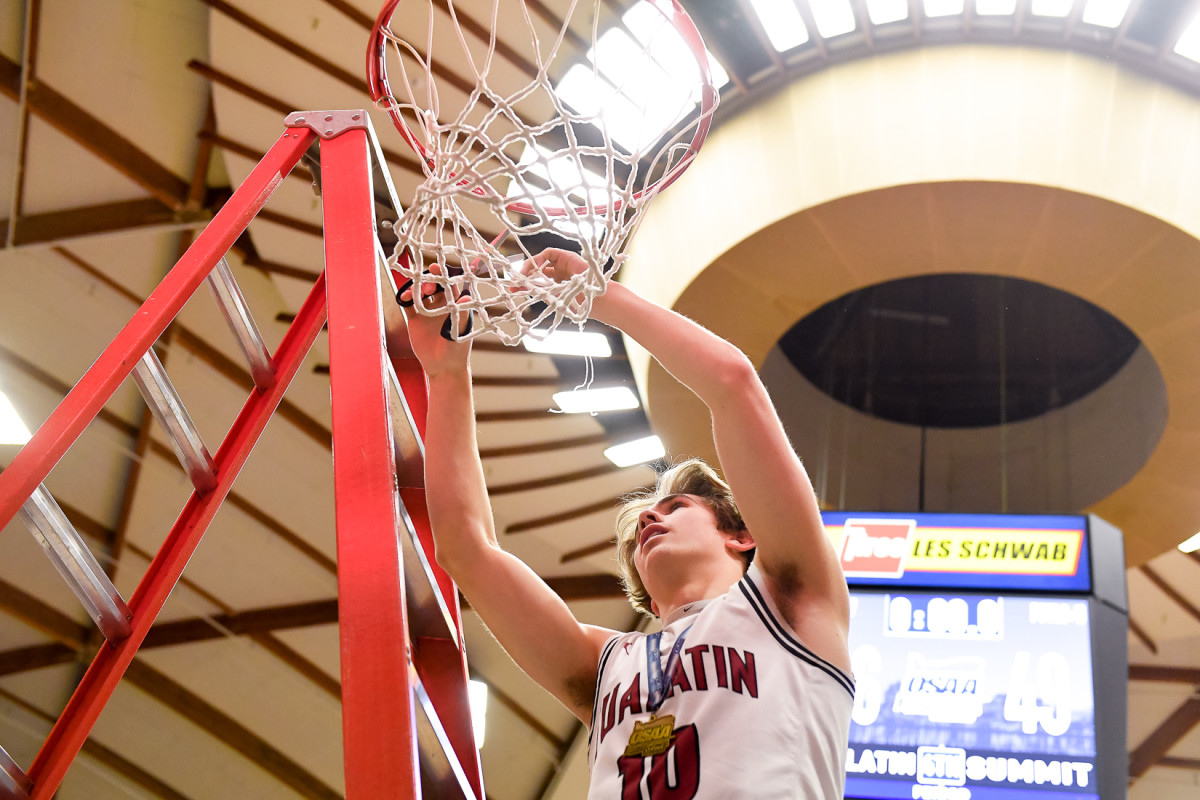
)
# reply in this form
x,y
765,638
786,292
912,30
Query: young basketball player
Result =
x,y
745,691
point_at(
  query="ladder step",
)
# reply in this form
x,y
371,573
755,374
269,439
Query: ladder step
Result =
x,y
76,564
168,409
237,314
14,783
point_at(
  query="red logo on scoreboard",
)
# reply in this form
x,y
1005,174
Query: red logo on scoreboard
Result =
x,y
875,548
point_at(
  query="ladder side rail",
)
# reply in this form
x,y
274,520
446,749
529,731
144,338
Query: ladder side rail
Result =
x,y
81,405
110,663
442,662
378,713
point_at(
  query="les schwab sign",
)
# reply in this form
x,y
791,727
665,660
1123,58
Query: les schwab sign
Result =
x,y
891,549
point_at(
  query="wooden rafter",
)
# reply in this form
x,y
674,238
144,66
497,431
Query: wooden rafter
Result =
x,y
1152,750
229,731
524,526
117,217
1170,591
556,480
106,756
88,131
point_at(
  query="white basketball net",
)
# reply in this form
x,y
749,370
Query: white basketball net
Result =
x,y
529,163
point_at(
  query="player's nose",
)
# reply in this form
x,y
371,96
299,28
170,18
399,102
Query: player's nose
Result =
x,y
648,516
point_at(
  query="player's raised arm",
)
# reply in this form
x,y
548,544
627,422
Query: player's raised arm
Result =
x,y
530,621
769,483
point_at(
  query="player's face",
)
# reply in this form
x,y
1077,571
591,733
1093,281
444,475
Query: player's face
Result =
x,y
677,523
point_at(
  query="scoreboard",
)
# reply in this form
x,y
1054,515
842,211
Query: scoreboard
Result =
x,y
989,654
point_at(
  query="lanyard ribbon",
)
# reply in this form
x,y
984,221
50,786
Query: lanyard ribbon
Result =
x,y
656,687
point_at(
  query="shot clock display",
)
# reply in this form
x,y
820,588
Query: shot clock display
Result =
x,y
974,641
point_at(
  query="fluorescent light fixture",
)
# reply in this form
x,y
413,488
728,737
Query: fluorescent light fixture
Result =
x,y
995,8
586,401
639,451
570,343
1188,45
782,22
477,696
641,86
833,17
1106,13
12,429
1051,8
1190,545
882,12
666,46
943,8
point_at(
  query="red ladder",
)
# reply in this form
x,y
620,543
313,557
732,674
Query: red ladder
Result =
x,y
406,720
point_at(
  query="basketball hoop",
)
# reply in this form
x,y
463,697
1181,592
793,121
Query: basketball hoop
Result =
x,y
562,145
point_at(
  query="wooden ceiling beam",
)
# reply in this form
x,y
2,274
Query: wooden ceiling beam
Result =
x,y
119,217
1160,674
544,447
1152,750
406,163
229,731
577,42
243,623
33,16
38,656
589,550
555,480
609,504
1166,588
41,616
1140,634
88,131
103,755
300,171
600,586
356,82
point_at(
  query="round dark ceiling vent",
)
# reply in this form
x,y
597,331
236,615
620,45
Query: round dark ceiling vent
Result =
x,y
958,350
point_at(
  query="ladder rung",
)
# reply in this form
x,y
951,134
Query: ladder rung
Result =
x,y
407,445
14,783
168,409
441,771
75,562
237,314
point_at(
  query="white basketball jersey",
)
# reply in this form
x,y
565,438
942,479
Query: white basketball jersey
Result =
x,y
756,713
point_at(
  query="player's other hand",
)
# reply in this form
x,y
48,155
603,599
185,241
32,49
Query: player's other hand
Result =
x,y
557,265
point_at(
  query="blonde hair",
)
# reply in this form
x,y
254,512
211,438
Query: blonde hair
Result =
x,y
692,477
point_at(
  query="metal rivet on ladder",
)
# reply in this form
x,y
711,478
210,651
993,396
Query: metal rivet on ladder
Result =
x,y
237,315
76,564
168,409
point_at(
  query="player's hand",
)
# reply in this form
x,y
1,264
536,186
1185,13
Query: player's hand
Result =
x,y
557,265
435,353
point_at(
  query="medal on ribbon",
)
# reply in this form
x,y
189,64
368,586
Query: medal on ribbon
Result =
x,y
654,736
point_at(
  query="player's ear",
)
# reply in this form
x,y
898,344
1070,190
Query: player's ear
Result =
x,y
740,541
